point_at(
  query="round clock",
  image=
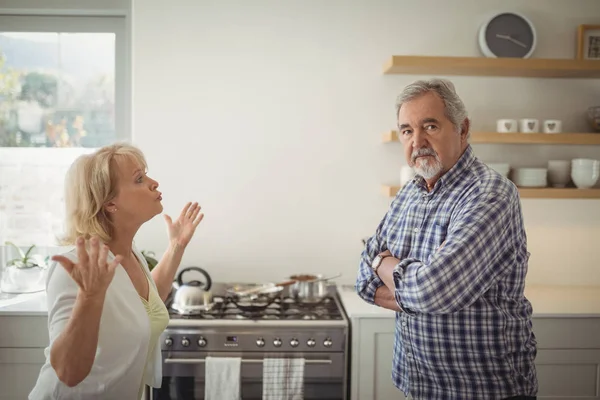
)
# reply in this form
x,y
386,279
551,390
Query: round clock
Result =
x,y
508,34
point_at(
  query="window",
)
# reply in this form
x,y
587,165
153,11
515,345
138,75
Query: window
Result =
x,y
64,91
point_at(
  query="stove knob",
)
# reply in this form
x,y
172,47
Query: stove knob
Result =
x,y
277,342
311,343
201,342
185,342
169,342
327,342
294,343
260,342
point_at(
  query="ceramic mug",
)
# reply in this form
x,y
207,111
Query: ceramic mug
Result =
x,y
507,125
529,125
552,126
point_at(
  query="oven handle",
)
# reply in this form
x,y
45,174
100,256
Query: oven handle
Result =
x,y
245,361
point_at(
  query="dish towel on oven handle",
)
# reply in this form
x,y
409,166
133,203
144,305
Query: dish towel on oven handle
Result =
x,y
222,378
283,379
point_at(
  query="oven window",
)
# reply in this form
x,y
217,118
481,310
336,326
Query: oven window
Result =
x,y
192,388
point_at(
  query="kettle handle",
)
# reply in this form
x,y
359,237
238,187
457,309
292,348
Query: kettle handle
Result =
x,y
197,269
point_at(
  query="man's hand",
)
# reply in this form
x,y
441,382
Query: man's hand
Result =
x,y
385,298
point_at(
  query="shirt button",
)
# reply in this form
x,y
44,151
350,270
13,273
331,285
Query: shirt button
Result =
x,y
404,323
416,230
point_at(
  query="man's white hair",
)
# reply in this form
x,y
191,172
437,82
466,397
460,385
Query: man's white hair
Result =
x,y
455,108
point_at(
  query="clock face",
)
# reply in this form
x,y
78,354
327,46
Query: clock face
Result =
x,y
509,35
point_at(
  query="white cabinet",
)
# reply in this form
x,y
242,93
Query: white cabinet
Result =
x,y
372,352
568,360
19,369
22,343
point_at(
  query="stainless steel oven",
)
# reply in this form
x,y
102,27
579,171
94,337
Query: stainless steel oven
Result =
x,y
184,375
321,341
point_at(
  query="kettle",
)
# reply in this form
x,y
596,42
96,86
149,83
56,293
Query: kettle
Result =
x,y
194,296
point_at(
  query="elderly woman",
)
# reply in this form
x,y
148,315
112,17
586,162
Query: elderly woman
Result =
x,y
105,308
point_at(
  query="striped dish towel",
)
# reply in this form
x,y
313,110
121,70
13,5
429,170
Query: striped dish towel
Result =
x,y
283,379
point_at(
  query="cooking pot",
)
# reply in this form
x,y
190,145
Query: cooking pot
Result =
x,y
194,296
309,288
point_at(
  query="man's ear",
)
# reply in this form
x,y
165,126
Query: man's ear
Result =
x,y
464,129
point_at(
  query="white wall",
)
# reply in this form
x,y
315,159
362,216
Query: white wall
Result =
x,y
270,114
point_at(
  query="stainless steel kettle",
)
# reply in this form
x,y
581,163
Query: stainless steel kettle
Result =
x,y
194,296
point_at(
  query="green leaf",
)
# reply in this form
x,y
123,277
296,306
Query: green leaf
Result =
x,y
27,253
21,254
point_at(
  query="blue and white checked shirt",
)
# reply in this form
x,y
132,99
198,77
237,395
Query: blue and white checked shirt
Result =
x,y
466,332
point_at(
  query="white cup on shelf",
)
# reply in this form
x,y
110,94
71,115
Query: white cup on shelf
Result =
x,y
559,173
507,126
552,126
529,125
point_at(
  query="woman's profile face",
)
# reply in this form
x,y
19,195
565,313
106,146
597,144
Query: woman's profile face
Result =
x,y
137,196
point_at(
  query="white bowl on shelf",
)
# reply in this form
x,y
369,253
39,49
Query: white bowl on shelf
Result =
x,y
530,177
585,172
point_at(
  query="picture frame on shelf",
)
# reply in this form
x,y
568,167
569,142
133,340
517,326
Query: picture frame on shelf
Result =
x,y
588,42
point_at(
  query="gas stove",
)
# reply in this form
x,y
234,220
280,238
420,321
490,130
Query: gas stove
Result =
x,y
253,330
280,308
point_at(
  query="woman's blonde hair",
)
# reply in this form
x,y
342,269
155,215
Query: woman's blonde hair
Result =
x,y
91,182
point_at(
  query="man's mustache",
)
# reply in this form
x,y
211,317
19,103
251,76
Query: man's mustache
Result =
x,y
422,152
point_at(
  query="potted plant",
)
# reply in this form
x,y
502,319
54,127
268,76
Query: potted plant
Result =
x,y
150,259
24,273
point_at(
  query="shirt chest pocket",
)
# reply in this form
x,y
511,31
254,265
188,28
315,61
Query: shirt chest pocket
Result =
x,y
439,232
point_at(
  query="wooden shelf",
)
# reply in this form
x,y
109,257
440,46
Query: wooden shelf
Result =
x,y
531,193
554,193
483,66
522,138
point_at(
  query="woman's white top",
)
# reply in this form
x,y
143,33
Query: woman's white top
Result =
x,y
120,363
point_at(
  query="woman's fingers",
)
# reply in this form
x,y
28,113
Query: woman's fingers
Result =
x,y
197,221
82,254
65,262
114,263
185,210
94,251
103,255
196,210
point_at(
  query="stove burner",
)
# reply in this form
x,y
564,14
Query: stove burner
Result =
x,y
276,308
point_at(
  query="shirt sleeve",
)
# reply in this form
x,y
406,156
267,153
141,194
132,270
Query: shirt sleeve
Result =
x,y
367,281
479,249
61,294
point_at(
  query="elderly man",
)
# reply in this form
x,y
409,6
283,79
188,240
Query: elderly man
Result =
x,y
450,256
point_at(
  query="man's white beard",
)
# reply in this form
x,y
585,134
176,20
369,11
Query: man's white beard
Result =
x,y
428,168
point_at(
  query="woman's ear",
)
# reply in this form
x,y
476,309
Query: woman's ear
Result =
x,y
110,207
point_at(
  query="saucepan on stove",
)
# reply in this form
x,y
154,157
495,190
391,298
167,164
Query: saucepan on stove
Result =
x,y
254,291
308,288
193,296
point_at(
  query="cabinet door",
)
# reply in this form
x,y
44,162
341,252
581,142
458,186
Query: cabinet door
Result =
x,y
568,374
19,369
372,353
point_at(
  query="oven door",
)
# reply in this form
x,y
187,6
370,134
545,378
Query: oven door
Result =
x,y
183,375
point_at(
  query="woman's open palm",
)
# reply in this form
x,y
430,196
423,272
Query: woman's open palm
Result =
x,y
182,230
92,273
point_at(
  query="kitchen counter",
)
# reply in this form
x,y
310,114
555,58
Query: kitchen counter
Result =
x,y
30,304
547,301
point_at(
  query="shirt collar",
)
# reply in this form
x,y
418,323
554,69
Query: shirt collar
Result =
x,y
453,174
